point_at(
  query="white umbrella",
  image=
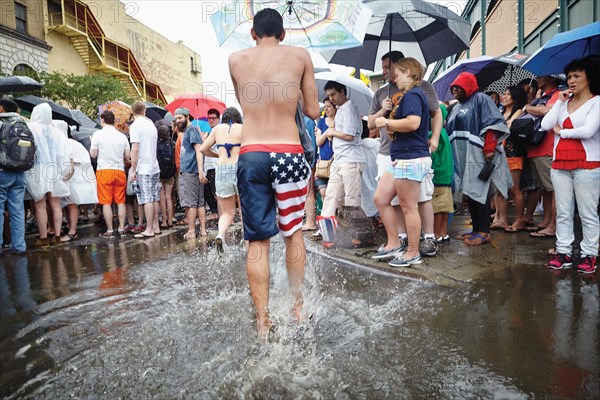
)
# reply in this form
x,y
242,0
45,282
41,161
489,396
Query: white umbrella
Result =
x,y
360,94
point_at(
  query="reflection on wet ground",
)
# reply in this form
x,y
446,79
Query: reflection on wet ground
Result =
x,y
170,319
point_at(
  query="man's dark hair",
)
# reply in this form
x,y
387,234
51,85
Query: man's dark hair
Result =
x,y
335,85
268,22
590,66
214,111
231,116
393,55
9,106
108,117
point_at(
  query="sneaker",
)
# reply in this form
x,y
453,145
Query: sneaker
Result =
x,y
402,261
443,239
560,261
428,247
107,234
219,244
587,266
128,228
383,254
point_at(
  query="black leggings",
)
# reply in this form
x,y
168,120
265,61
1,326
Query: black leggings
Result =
x,y
480,215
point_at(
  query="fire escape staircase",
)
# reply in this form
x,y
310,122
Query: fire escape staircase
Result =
x,y
76,21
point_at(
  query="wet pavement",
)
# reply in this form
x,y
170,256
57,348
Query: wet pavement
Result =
x,y
168,318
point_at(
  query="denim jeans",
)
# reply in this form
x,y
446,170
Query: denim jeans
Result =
x,y
12,191
581,186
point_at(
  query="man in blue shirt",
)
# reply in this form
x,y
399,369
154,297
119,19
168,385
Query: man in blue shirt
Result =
x,y
192,178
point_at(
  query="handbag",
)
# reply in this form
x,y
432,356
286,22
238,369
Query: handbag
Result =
x,y
527,131
323,168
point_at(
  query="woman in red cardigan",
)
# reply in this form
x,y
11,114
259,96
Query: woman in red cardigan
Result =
x,y
575,118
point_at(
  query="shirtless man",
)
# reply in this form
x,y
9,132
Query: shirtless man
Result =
x,y
270,79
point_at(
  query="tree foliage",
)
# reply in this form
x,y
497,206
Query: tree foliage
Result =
x,y
83,92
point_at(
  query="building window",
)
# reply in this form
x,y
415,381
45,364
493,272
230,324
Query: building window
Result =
x,y
21,17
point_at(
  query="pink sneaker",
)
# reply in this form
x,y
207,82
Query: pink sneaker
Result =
x,y
587,266
560,261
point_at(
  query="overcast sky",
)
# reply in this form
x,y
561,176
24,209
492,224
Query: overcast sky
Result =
x,y
190,21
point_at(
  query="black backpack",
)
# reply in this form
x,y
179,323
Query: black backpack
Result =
x,y
17,146
165,153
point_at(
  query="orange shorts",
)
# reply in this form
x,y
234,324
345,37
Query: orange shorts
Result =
x,y
515,163
111,186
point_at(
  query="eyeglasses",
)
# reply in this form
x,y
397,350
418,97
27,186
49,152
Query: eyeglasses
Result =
x,y
213,118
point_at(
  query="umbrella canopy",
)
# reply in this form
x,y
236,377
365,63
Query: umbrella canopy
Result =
x,y
122,112
154,111
426,31
563,48
84,120
197,103
18,84
28,102
202,125
317,25
492,73
357,91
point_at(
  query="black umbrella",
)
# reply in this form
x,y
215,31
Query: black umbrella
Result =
x,y
27,103
426,31
18,84
84,120
154,111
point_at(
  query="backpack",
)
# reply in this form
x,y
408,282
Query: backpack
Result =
x,y
165,153
17,145
355,228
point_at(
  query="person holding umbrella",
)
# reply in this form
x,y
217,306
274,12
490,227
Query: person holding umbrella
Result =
x,y
575,120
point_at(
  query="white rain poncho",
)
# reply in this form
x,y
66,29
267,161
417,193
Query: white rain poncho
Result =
x,y
83,182
52,161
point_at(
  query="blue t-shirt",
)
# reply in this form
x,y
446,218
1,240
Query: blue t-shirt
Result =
x,y
415,144
326,150
188,153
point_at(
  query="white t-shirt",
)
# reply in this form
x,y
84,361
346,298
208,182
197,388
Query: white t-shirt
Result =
x,y
347,120
144,132
111,145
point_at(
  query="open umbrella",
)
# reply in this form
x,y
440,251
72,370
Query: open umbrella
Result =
x,y
492,73
426,31
197,103
122,112
357,91
317,25
563,48
84,120
18,84
154,111
28,102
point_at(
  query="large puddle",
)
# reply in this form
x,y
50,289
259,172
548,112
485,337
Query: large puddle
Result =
x,y
166,319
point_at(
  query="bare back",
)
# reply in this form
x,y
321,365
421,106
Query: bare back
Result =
x,y
268,80
225,134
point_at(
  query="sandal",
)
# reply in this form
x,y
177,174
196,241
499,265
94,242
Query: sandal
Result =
x,y
464,236
477,239
69,238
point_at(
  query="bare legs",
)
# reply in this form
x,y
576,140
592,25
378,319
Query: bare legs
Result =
x,y
257,269
166,205
151,212
227,214
192,213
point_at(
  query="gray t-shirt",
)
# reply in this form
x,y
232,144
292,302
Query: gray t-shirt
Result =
x,y
382,93
347,120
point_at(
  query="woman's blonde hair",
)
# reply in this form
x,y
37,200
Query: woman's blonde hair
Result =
x,y
416,70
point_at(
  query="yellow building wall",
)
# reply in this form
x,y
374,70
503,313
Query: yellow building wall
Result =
x,y
35,16
164,62
63,56
501,25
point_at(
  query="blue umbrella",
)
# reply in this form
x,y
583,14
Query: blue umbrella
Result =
x,y
563,48
202,124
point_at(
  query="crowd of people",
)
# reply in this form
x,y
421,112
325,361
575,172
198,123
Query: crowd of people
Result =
x,y
416,159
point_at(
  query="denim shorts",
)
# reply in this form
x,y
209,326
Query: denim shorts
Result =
x,y
226,180
415,169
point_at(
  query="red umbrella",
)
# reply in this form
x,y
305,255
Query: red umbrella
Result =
x,y
197,103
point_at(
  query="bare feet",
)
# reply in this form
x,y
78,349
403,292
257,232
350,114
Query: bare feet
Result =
x,y
308,228
203,233
297,309
189,235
